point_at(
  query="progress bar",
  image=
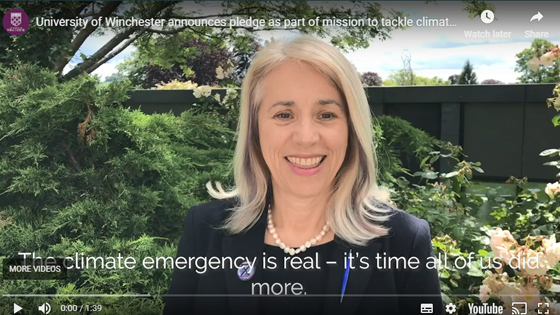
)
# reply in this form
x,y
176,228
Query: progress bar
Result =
x,y
246,295
77,295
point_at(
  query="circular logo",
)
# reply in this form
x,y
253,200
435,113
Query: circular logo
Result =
x,y
245,272
16,22
487,16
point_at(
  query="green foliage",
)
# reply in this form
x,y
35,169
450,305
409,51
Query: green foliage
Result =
x,y
30,46
545,74
461,221
473,8
397,141
79,173
468,76
404,78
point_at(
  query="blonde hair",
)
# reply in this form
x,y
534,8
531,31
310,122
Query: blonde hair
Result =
x,y
357,202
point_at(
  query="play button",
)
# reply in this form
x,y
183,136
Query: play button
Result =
x,y
17,308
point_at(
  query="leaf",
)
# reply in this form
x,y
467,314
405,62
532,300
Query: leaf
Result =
x,y
454,173
427,174
475,271
446,299
424,161
478,169
549,152
555,120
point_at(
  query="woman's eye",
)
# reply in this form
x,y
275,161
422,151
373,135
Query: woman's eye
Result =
x,y
323,116
283,115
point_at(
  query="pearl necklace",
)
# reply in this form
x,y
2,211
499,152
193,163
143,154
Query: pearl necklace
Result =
x,y
302,248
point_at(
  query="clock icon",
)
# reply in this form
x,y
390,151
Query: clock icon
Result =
x,y
487,16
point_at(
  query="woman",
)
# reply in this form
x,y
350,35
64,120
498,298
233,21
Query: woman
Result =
x,y
306,230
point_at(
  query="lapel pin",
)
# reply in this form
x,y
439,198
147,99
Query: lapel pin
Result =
x,y
245,271
346,272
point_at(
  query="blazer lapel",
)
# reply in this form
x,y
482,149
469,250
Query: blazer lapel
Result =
x,y
250,245
358,279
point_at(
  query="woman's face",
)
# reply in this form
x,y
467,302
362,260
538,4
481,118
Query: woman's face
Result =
x,y
303,129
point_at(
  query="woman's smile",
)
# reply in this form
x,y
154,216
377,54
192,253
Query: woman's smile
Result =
x,y
305,166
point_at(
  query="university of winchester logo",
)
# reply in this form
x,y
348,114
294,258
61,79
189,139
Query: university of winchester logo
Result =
x,y
15,22
15,18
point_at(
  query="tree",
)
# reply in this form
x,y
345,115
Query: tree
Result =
x,y
64,42
544,74
454,79
242,58
418,80
404,77
199,63
146,69
492,81
468,76
53,47
371,79
473,8
400,77
114,77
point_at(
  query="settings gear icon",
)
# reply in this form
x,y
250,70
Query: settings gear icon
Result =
x,y
450,308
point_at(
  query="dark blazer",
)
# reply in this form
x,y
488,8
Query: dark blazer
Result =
x,y
371,291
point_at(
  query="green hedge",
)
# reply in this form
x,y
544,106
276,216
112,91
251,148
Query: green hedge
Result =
x,y
78,173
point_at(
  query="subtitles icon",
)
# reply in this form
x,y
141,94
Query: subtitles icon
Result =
x,y
518,308
426,308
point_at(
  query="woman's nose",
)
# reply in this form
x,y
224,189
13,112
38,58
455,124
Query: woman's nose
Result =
x,y
306,132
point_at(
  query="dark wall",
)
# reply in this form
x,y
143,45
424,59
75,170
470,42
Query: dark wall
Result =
x,y
504,127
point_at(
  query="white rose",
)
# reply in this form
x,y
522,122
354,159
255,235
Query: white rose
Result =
x,y
548,59
205,90
217,97
501,242
484,293
510,294
230,93
197,93
552,189
553,254
536,264
220,73
533,64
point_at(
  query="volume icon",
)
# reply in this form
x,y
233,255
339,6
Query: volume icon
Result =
x,y
45,308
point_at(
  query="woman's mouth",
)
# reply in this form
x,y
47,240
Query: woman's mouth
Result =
x,y
306,163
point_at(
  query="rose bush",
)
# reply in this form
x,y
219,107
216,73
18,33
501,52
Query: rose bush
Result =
x,y
529,272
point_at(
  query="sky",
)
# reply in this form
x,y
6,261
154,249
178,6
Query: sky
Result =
x,y
431,50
